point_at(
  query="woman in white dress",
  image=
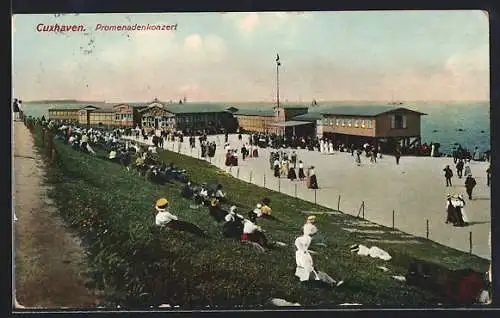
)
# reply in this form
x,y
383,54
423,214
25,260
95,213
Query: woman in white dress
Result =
x,y
305,267
460,202
330,147
321,146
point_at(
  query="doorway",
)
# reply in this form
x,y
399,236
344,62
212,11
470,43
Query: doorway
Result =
x,y
157,123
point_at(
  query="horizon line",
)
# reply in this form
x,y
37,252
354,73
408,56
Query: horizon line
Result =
x,y
251,101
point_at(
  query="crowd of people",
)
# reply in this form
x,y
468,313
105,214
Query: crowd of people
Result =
x,y
208,195
212,196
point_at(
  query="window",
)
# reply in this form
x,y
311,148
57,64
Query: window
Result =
x,y
349,122
356,123
343,122
363,125
337,122
398,121
370,125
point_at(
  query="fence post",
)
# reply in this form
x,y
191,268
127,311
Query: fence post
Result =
x,y
295,190
53,155
43,137
363,209
427,229
338,204
279,184
315,201
393,219
470,243
238,173
198,153
264,181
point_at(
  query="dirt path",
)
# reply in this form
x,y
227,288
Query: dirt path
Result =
x,y
48,258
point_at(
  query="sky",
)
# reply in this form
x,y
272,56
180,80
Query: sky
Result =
x,y
376,56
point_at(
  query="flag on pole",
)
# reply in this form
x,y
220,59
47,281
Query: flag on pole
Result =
x,y
278,60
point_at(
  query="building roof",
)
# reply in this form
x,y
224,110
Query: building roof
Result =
x,y
310,117
264,112
363,110
103,110
192,108
291,106
77,106
290,123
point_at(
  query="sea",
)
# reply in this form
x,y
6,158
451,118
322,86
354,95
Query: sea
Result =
x,y
446,123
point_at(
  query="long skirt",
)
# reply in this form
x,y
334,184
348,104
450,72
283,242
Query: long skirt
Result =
x,y
232,229
291,174
186,227
255,153
301,174
313,182
277,171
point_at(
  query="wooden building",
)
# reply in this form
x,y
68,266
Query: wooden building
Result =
x,y
359,124
128,114
188,117
64,112
255,120
102,115
270,120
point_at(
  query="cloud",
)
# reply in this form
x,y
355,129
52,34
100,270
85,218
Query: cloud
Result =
x,y
247,23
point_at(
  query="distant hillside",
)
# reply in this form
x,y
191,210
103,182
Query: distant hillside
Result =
x,y
59,101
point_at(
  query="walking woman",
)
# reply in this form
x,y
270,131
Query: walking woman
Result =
x,y
301,171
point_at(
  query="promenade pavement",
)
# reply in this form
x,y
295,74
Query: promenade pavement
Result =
x,y
415,190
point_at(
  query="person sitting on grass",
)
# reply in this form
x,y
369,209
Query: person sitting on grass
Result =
x,y
187,191
233,225
305,270
309,227
204,193
125,158
216,211
165,219
113,155
252,232
219,193
266,210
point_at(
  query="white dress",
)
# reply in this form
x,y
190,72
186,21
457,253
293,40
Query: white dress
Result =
x,y
321,146
330,147
303,259
459,203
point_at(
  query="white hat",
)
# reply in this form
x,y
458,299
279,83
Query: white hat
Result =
x,y
259,205
232,209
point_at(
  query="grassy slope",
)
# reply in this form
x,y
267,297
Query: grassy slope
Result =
x,y
178,268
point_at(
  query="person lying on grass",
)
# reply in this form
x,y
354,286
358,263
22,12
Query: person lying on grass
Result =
x,y
233,225
305,270
253,233
165,219
216,211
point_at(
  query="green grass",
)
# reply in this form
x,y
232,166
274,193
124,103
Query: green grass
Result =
x,y
139,265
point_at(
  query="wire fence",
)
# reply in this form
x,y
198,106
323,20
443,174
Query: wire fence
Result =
x,y
297,190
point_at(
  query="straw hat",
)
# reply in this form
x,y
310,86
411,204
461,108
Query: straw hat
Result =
x,y
161,203
259,205
311,218
214,202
